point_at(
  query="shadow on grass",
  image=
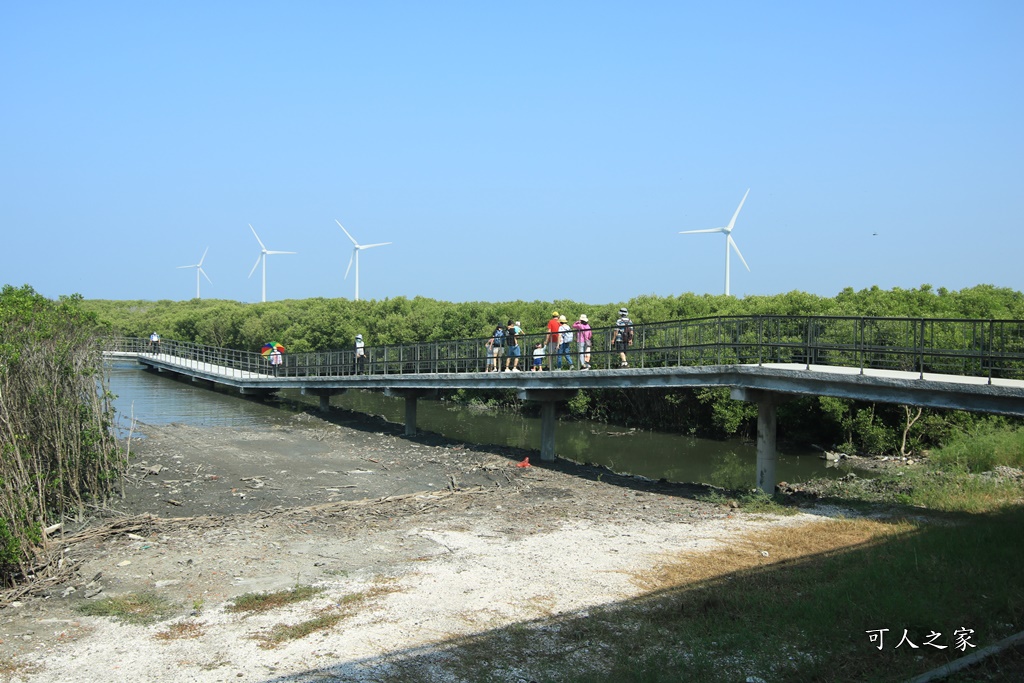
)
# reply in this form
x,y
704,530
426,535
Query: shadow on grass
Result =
x,y
810,618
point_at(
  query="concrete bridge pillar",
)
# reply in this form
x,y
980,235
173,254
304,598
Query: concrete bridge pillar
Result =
x,y
410,396
548,398
324,394
767,455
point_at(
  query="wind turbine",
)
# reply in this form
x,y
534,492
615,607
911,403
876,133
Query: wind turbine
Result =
x,y
356,248
729,241
199,269
263,257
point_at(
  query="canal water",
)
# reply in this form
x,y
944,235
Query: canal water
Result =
x,y
154,399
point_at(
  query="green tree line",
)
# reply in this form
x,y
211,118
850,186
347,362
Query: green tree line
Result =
x,y
59,451
326,324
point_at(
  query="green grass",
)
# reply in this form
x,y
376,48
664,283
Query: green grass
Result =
x,y
134,608
281,633
264,602
982,450
326,619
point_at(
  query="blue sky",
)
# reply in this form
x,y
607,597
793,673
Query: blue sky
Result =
x,y
529,150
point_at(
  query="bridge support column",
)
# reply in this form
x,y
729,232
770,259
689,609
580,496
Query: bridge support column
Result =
x,y
410,396
548,398
767,456
324,394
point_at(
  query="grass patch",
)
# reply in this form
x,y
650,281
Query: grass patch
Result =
x,y
280,633
325,620
767,548
982,450
134,608
750,500
182,630
264,602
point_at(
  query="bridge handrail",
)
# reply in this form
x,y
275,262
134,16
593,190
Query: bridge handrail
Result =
x,y
956,346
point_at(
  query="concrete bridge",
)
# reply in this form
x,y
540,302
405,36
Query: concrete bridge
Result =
x,y
974,365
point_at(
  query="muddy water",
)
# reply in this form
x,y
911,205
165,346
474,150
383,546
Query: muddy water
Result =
x,y
159,400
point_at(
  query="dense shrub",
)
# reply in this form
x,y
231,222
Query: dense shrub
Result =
x,y
58,451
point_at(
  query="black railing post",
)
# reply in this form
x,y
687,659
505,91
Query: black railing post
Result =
x,y
718,343
920,351
859,345
988,349
760,341
807,351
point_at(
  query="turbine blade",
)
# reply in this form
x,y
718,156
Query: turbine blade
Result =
x,y
206,276
257,237
694,232
192,266
733,221
202,259
346,232
256,265
350,260
379,244
732,243
281,252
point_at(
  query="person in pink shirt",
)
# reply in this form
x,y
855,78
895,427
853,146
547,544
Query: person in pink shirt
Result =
x,y
583,340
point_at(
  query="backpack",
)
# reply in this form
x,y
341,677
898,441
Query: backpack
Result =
x,y
499,338
625,330
510,336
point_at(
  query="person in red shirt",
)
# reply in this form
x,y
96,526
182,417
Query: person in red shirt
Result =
x,y
554,337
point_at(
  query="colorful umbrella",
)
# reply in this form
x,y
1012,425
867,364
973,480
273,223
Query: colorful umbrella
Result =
x,y
269,348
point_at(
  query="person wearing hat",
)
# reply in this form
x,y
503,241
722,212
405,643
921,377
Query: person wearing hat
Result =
x,y
512,349
154,343
583,338
360,355
553,339
622,336
564,341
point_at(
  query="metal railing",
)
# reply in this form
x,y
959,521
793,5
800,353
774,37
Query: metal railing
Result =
x,y
981,348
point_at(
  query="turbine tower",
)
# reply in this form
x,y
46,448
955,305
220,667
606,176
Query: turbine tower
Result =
x,y
729,241
263,257
199,269
356,248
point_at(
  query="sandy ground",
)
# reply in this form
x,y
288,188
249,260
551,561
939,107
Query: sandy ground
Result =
x,y
418,542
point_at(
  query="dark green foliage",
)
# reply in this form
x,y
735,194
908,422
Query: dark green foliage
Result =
x,y
57,448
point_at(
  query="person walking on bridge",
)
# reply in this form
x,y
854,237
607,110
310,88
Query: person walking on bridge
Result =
x,y
495,347
583,337
360,355
622,336
512,349
154,343
564,341
554,338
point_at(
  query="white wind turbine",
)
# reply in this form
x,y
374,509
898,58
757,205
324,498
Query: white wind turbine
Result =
x,y
356,248
263,257
729,242
199,269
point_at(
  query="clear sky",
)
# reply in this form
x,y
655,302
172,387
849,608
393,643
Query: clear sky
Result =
x,y
528,150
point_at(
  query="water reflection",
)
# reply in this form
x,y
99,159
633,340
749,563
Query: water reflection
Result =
x,y
157,399
651,454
